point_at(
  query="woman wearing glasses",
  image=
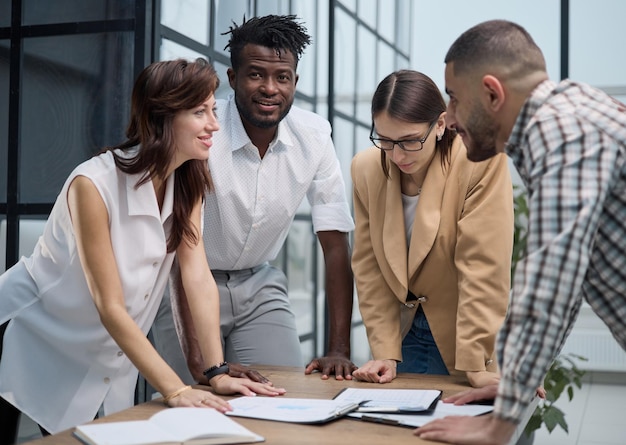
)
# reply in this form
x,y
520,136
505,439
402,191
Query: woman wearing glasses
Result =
x,y
433,240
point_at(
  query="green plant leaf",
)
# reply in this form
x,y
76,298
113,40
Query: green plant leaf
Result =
x,y
553,417
534,423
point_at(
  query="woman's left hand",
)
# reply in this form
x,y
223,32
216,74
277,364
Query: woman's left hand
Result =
x,y
225,384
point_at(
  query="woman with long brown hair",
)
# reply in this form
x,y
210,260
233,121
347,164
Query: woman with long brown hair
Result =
x,y
81,305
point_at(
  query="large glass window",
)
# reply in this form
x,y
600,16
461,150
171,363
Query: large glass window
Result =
x,y
266,7
227,12
73,103
307,64
299,268
188,17
387,20
343,137
5,13
4,116
171,50
435,30
30,230
322,59
404,21
66,11
594,57
367,12
345,63
366,73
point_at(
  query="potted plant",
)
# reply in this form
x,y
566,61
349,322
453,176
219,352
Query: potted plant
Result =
x,y
562,376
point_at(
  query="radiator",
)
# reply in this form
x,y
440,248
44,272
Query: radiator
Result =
x,y
590,338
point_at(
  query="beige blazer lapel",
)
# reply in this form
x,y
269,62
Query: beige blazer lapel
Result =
x,y
394,239
427,215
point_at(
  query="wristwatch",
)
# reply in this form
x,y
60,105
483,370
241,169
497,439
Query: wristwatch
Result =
x,y
220,368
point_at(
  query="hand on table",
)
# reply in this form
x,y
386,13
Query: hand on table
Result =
x,y
485,393
468,430
337,364
238,370
472,395
191,397
225,384
235,370
377,371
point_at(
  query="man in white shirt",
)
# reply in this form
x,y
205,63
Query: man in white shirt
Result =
x,y
265,159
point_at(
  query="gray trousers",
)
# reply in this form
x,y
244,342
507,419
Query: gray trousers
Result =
x,y
257,324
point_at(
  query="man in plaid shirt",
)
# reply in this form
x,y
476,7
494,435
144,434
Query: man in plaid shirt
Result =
x,y
568,142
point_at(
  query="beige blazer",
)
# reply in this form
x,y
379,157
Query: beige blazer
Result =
x,y
458,261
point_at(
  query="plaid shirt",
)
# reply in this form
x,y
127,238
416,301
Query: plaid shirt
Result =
x,y
569,146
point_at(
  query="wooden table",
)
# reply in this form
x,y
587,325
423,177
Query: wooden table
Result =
x,y
343,431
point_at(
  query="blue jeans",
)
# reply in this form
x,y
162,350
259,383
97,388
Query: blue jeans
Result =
x,y
420,354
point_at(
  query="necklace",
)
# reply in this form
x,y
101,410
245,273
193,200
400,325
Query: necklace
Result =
x,y
409,186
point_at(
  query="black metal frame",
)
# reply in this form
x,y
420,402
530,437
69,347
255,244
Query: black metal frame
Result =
x,y
141,25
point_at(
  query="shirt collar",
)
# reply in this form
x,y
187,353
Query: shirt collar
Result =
x,y
515,145
142,200
239,137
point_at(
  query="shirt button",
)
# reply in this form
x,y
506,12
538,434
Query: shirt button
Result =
x,y
155,264
422,299
410,305
488,362
145,297
107,380
120,353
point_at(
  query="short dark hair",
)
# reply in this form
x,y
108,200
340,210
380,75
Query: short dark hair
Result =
x,y
412,97
496,43
280,32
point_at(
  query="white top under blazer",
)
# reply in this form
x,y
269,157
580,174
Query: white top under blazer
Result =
x,y
59,363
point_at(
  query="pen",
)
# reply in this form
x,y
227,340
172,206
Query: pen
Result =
x,y
347,409
390,409
380,420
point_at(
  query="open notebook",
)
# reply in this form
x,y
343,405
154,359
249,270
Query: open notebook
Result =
x,y
171,426
397,401
417,420
404,407
287,409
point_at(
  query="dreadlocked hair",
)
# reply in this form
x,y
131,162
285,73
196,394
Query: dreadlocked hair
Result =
x,y
280,32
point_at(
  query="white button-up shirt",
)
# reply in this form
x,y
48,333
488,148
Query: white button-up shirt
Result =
x,y
59,363
248,216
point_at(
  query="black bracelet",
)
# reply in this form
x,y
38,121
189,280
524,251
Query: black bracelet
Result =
x,y
221,368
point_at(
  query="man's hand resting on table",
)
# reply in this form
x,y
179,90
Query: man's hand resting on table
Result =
x,y
468,430
241,371
235,370
485,393
336,364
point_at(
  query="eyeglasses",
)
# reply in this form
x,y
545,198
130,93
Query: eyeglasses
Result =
x,y
405,144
